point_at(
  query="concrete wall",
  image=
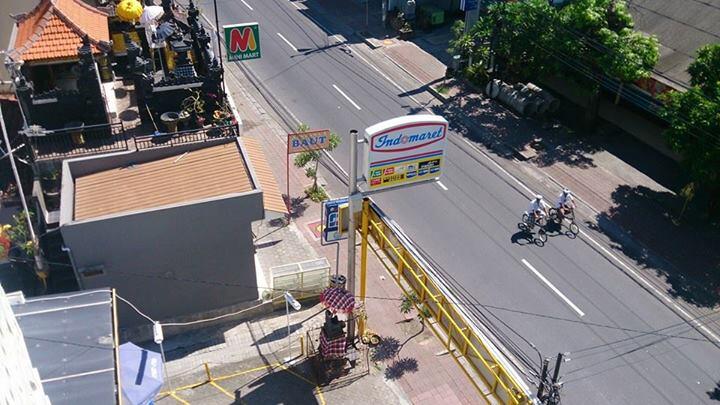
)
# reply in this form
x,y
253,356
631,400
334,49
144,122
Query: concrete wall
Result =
x,y
144,254
629,121
171,261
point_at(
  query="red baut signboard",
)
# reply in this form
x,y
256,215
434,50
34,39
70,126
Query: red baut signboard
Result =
x,y
404,150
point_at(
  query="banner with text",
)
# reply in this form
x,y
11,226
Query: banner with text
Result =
x,y
308,140
404,150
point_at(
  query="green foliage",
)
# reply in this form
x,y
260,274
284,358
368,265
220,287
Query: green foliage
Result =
x,y
316,193
408,302
705,71
535,39
694,118
19,234
310,160
477,74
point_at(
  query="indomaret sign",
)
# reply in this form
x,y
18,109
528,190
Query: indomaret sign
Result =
x,y
404,150
242,41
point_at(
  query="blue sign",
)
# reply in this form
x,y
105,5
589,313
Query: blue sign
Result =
x,y
468,5
330,220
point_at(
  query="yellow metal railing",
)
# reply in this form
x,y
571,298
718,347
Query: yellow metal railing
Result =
x,y
468,350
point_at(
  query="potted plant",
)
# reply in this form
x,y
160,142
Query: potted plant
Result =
x,y
50,182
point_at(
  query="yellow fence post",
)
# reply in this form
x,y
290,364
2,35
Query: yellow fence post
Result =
x,y
207,371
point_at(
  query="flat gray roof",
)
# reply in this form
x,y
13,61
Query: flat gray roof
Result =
x,y
681,27
70,341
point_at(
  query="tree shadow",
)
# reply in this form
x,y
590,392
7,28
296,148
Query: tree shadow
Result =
x,y
400,367
685,255
715,393
388,348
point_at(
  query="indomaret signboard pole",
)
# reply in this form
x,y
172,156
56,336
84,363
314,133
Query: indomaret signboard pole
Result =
x,y
352,207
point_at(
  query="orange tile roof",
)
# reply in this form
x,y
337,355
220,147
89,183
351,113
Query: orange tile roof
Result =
x,y
272,197
55,29
203,173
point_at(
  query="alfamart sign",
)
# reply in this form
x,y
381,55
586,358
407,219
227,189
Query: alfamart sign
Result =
x,y
242,41
404,150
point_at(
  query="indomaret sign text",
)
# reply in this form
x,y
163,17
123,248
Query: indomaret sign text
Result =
x,y
404,150
242,41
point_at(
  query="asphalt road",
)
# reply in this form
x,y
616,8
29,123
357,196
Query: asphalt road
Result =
x,y
625,346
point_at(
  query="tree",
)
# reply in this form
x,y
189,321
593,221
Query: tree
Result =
x,y
534,39
310,160
694,118
705,72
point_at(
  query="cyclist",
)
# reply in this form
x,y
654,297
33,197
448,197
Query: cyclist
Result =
x,y
536,210
565,203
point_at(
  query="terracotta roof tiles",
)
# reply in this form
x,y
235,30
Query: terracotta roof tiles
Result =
x,y
203,173
55,29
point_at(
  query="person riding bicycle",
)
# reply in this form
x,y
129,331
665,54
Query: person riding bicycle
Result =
x,y
565,203
536,210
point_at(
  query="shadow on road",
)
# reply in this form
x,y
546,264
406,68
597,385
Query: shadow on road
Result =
x,y
690,251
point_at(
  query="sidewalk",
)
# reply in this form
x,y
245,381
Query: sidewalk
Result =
x,y
410,366
626,189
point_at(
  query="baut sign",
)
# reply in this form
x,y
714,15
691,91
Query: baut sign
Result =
x,y
404,150
242,41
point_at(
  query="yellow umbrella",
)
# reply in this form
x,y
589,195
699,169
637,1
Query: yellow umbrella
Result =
x,y
129,10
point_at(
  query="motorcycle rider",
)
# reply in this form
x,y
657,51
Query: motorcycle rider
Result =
x,y
565,203
537,210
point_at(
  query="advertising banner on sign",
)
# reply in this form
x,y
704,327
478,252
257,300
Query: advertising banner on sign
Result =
x,y
242,41
332,231
404,150
309,140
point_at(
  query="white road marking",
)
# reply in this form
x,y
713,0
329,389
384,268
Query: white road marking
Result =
x,y
442,186
637,276
346,97
295,4
287,42
247,5
552,287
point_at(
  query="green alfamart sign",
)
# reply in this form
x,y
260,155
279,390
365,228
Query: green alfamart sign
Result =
x,y
242,41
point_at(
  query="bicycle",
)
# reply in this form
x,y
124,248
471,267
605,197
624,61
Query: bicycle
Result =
x,y
557,216
528,224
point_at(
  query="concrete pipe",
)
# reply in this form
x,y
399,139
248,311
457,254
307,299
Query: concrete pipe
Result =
x,y
492,89
553,103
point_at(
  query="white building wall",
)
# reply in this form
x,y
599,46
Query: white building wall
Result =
x,y
19,381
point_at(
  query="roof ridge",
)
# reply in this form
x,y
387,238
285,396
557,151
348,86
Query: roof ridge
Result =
x,y
87,7
37,32
74,26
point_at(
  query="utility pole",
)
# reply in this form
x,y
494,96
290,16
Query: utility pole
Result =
x,y
543,376
352,206
220,45
554,395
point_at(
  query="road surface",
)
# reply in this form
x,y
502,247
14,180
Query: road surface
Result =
x,y
624,344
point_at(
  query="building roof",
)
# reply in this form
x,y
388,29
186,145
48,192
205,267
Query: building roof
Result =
x,y
194,175
70,340
681,27
272,198
54,30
